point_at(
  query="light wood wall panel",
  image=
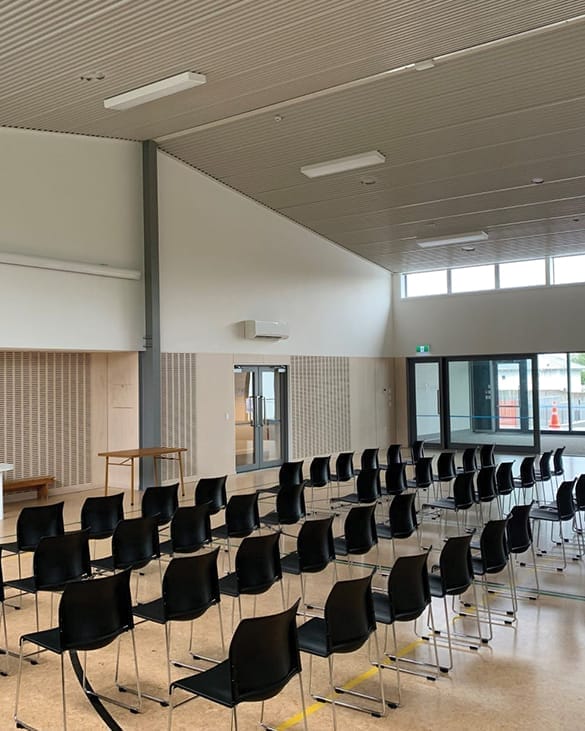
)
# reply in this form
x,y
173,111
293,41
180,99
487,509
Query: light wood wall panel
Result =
x,y
178,410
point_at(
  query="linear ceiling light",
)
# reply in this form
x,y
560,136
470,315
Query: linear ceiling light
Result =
x,y
473,237
156,90
78,267
343,164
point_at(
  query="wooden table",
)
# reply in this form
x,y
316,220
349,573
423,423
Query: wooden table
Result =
x,y
126,458
3,468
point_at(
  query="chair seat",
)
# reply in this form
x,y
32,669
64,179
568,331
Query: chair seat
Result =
x,y
478,567
103,564
545,513
229,585
436,586
269,490
222,532
335,478
153,611
168,549
272,518
413,486
446,503
353,498
290,563
313,637
10,548
385,531
340,545
50,639
383,611
213,684
26,585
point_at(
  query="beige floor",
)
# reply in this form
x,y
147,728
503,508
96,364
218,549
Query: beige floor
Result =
x,y
529,677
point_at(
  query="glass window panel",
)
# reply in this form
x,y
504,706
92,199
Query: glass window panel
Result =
x,y
577,388
473,279
552,391
523,273
428,420
568,269
421,284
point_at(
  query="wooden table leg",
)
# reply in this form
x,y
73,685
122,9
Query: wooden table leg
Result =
x,y
132,481
107,472
156,482
180,456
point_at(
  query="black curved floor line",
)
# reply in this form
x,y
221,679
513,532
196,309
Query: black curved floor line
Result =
x,y
94,700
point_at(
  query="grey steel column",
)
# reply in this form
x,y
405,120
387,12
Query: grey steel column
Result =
x,y
150,395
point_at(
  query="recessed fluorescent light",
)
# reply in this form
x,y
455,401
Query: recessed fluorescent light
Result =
x,y
156,90
343,164
469,238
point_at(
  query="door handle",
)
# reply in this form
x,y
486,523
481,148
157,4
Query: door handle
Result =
x,y
262,403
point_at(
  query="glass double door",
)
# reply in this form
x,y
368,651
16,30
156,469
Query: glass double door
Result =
x,y
260,416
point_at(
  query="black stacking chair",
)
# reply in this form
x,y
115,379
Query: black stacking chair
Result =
x,y
469,460
241,519
369,459
368,488
504,481
190,587
527,478
32,524
558,466
485,482
423,474
519,535
463,498
263,657
319,476
487,455
257,569
57,561
315,551
212,490
190,530
407,598
160,502
562,512
359,533
100,515
446,470
347,624
393,455
135,544
4,650
544,473
402,521
395,478
289,474
92,614
580,499
290,507
417,450
344,471
453,577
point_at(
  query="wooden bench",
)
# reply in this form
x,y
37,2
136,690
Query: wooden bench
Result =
x,y
40,484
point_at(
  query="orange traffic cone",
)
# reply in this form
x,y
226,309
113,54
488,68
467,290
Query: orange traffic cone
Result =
x,y
554,422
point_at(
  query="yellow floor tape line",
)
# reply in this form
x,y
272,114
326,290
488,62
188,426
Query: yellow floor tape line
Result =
x,y
314,707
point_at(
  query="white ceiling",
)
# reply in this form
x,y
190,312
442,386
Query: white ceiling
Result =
x,y
462,140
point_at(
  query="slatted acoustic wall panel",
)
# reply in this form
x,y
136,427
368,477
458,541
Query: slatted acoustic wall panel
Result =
x,y
319,394
178,410
44,415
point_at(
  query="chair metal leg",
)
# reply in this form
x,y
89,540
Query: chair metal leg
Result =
x,y
5,639
63,699
302,692
234,724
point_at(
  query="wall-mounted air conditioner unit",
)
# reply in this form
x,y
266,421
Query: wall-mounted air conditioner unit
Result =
x,y
266,329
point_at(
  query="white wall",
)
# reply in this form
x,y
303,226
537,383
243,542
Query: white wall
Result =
x,y
505,321
225,259
78,199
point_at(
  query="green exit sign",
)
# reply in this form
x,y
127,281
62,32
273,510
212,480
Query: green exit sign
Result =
x,y
423,348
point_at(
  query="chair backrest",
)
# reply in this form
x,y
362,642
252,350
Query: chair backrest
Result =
x,y
394,454
212,490
456,565
402,514
518,530
320,471
161,501
564,499
417,450
58,560
290,473
580,492
544,468
190,528
349,614
290,504
463,491
315,546
368,485
558,467
93,613
241,515
369,459
494,546
469,459
486,455
344,466
190,586
360,529
100,515
505,478
38,522
446,470
527,474
408,587
135,542
264,655
258,563
396,478
423,472
486,483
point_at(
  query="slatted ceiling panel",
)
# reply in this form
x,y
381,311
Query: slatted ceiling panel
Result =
x,y
44,401
178,412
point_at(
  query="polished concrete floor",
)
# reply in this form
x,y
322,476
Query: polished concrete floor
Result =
x,y
530,676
